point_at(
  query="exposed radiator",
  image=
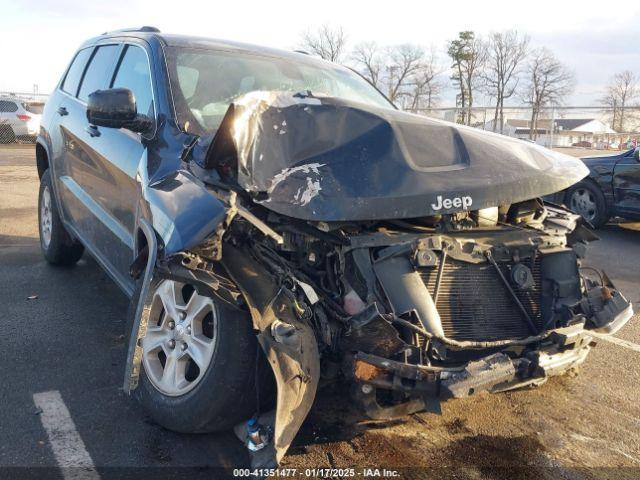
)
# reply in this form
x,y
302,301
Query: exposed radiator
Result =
x,y
474,304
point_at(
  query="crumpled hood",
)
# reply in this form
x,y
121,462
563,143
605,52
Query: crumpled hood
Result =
x,y
327,159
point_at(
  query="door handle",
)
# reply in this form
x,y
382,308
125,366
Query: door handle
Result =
x,y
92,130
62,111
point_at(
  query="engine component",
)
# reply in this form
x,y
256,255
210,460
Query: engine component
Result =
x,y
473,304
352,303
560,286
407,292
522,277
486,217
370,332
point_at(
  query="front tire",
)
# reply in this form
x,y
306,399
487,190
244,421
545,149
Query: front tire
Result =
x,y
57,245
199,361
586,198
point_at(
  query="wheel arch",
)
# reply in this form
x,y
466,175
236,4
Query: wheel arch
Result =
x,y
589,181
141,243
145,236
42,159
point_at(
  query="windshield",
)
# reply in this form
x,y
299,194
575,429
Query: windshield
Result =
x,y
205,82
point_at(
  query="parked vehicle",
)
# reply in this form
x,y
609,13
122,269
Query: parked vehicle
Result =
x,y
258,204
612,189
16,121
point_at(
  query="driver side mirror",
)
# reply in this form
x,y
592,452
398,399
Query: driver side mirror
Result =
x,y
636,154
116,108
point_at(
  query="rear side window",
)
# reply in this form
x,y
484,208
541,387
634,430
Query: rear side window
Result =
x,y
7,106
134,74
74,74
96,76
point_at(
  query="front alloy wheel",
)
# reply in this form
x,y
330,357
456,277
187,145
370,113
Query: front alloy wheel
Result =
x,y
199,360
179,343
587,199
583,202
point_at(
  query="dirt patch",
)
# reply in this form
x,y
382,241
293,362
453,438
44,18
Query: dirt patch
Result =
x,y
497,456
457,426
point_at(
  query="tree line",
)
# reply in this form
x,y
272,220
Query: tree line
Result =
x,y
500,66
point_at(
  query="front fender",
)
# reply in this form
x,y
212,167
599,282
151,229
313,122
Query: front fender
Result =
x,y
142,309
291,349
180,208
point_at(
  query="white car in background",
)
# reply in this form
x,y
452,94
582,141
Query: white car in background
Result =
x,y
18,120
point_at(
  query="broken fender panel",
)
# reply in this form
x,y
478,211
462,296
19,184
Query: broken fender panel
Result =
x,y
182,211
290,347
320,158
141,316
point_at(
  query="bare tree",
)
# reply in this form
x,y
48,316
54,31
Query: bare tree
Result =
x,y
426,86
506,52
403,62
407,74
549,81
619,94
369,58
468,53
327,42
610,100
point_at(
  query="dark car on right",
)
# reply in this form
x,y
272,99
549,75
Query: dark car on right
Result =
x,y
612,189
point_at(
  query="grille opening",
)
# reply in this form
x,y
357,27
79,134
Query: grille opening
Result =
x,y
474,304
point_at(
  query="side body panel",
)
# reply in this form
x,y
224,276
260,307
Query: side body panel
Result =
x,y
106,184
626,186
618,176
97,183
601,172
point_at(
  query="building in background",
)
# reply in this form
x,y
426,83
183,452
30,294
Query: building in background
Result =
x,y
566,132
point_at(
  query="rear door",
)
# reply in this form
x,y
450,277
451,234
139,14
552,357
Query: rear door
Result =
x,y
626,185
63,134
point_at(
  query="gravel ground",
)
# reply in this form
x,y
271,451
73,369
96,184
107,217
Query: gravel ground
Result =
x,y
69,338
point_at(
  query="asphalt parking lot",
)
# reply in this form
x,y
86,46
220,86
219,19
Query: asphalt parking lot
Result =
x,y
62,331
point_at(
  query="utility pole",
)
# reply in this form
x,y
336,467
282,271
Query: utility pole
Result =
x,y
553,125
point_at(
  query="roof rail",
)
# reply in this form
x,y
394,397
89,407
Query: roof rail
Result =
x,y
145,28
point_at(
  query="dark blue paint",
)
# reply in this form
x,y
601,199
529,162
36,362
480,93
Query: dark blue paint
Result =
x,y
619,178
106,184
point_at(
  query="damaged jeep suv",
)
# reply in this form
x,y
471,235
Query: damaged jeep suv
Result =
x,y
276,221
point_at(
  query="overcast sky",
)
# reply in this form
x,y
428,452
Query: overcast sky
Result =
x,y
595,39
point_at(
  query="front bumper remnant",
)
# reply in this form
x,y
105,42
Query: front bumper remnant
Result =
x,y
561,350
498,372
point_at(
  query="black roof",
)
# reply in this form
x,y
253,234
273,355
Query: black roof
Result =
x,y
188,41
571,123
